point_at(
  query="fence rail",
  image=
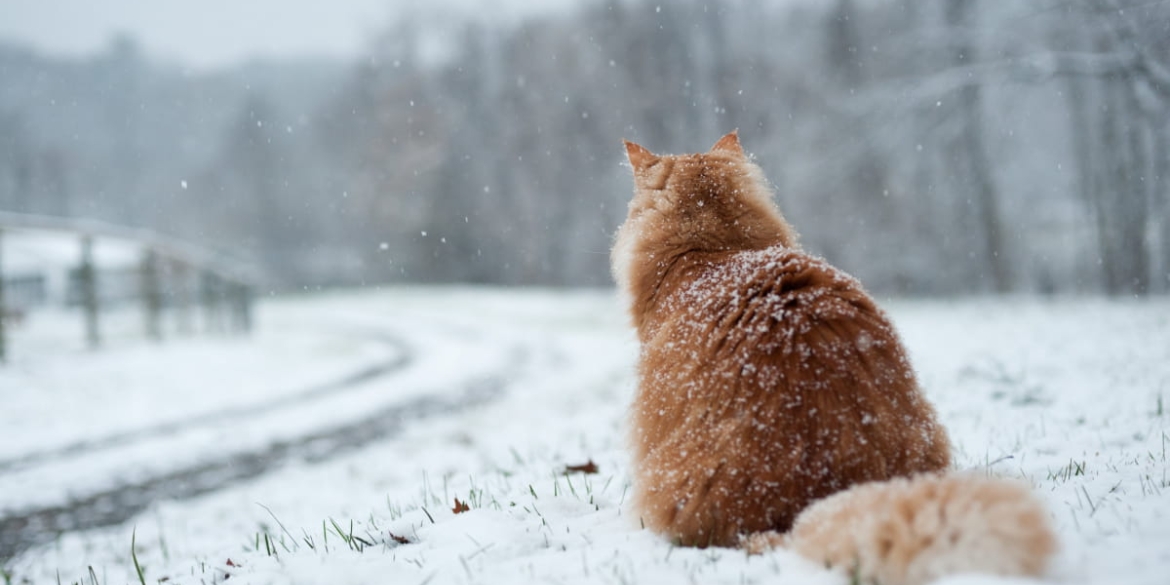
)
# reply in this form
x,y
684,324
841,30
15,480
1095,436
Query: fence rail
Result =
x,y
170,273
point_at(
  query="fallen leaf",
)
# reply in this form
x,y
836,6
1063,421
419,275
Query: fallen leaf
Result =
x,y
460,507
398,539
589,467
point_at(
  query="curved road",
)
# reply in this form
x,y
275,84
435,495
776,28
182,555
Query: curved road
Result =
x,y
108,506
401,358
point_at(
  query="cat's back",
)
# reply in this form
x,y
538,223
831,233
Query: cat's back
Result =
x,y
774,374
781,336
768,300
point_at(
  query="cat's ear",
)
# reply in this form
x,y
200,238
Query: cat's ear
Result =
x,y
729,143
640,158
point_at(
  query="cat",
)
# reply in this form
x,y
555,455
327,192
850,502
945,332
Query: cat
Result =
x,y
767,378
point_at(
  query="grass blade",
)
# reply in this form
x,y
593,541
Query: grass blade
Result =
x,y
134,557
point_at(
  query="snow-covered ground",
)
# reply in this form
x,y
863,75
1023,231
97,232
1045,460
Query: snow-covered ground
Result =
x,y
1068,394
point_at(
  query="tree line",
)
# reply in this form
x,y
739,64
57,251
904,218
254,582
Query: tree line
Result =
x,y
956,147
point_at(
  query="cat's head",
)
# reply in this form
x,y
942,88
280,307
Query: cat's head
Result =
x,y
709,202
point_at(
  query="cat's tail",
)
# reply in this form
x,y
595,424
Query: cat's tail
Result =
x,y
912,531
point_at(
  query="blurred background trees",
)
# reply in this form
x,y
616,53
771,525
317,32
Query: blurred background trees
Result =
x,y
957,147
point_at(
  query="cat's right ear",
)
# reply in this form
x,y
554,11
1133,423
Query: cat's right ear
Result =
x,y
640,158
729,143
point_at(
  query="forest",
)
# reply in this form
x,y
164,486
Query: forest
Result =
x,y
931,149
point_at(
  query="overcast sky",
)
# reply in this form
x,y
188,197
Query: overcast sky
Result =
x,y
210,33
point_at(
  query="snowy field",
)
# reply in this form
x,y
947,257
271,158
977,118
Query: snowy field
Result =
x,y
364,416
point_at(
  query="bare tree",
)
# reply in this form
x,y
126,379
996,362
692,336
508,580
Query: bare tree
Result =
x,y
978,179
1120,144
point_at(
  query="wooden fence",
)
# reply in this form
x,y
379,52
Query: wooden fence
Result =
x,y
170,275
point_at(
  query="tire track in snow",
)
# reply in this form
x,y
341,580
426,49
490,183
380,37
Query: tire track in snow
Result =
x,y
108,507
402,358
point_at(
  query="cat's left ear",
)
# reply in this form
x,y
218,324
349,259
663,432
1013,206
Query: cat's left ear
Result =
x,y
640,158
729,143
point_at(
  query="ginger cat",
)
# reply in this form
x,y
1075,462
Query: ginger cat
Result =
x,y
768,379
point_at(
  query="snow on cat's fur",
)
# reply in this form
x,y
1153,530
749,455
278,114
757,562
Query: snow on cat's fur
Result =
x,y
768,379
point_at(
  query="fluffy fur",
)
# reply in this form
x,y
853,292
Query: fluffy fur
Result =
x,y
913,531
769,380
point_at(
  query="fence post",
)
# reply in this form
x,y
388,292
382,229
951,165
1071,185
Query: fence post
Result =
x,y
87,280
184,285
151,291
209,291
3,307
241,307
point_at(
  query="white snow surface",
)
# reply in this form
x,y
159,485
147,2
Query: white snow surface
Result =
x,y
1065,393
